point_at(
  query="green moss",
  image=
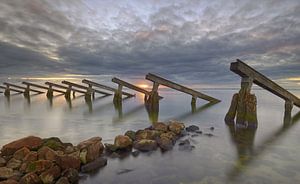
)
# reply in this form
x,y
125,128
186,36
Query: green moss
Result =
x,y
31,167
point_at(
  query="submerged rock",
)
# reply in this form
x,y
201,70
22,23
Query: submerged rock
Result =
x,y
62,180
96,164
176,127
131,134
145,145
50,175
21,153
110,147
135,153
159,126
30,178
165,143
212,128
6,173
93,148
71,175
30,142
122,142
192,128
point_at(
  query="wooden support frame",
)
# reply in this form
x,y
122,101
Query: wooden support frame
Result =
x,y
89,89
259,79
67,88
49,89
7,90
195,94
89,82
26,89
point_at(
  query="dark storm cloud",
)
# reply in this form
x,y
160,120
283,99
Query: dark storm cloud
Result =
x,y
191,41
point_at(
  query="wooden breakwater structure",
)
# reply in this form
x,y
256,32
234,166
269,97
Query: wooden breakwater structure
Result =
x,y
243,105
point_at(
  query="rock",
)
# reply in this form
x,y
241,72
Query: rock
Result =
x,y
183,133
54,143
9,181
122,142
135,153
30,178
110,147
63,180
75,154
165,143
21,153
66,162
14,163
209,134
70,149
96,164
30,142
170,135
176,127
82,156
147,134
145,145
192,128
38,166
50,175
17,175
212,128
185,145
2,162
31,156
6,173
71,175
46,153
199,132
160,127
195,135
94,148
130,134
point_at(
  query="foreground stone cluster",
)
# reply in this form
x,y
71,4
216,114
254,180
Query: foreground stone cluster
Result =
x,y
160,135
36,160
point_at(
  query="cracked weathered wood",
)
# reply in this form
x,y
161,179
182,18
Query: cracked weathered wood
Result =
x,y
195,94
105,87
259,79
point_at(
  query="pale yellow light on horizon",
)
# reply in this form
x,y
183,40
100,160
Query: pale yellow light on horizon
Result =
x,y
144,86
48,78
293,79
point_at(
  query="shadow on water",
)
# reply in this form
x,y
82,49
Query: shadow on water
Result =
x,y
122,116
194,111
50,99
89,103
243,139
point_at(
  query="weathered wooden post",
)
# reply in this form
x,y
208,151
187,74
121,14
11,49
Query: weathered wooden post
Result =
x,y
7,91
50,92
288,106
243,105
26,91
118,95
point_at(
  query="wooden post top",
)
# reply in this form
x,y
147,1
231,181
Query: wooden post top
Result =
x,y
259,79
105,87
42,87
173,85
22,87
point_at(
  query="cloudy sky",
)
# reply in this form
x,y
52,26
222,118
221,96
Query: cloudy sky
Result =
x,y
188,41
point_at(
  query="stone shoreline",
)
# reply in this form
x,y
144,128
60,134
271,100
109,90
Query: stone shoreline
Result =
x,y
35,160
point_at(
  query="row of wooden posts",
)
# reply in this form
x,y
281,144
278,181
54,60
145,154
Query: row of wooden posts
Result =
x,y
242,108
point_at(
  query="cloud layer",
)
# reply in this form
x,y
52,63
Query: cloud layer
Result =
x,y
191,41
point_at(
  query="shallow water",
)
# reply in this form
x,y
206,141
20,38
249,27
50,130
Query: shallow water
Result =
x,y
271,154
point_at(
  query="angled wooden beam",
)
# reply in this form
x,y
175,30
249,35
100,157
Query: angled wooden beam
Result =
x,y
195,94
84,87
12,89
259,79
130,86
105,87
42,87
64,87
21,87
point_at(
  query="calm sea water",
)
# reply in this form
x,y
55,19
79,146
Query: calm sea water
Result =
x,y
271,154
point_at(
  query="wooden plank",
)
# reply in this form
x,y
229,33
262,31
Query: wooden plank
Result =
x,y
105,87
84,87
259,79
64,87
15,90
21,87
130,86
173,85
42,87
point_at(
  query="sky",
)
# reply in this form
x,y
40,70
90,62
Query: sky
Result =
x,y
190,41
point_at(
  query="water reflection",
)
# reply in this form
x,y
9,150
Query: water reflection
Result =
x,y
243,138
